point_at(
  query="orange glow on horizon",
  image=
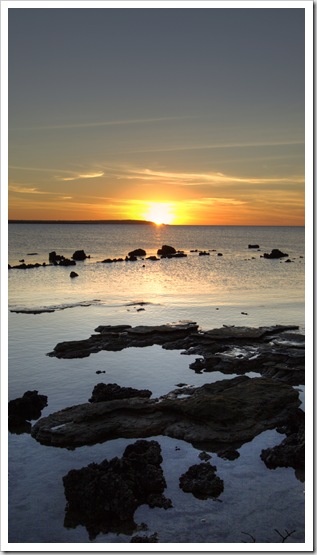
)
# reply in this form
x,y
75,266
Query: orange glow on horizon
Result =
x,y
160,213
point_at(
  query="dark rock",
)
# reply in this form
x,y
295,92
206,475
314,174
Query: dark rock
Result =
x,y
25,408
199,364
110,391
32,254
67,262
103,497
219,254
229,454
9,267
73,275
152,258
288,260
131,258
79,255
204,456
291,452
221,415
204,253
166,249
137,252
22,260
201,481
53,257
276,253
145,539
100,371
253,246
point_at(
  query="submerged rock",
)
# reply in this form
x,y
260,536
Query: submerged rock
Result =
x,y
104,497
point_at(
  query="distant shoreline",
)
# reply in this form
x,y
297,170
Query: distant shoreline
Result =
x,y
132,222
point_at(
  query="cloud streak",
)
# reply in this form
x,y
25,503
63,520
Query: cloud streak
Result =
x,y
103,123
80,176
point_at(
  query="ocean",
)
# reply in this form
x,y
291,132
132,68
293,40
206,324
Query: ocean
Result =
x,y
231,285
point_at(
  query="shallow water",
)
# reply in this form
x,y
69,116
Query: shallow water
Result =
x,y
212,291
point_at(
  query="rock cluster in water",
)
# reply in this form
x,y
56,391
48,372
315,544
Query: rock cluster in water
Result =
x,y
25,408
104,497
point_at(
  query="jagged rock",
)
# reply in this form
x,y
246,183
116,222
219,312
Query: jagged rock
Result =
x,y
79,255
110,391
291,452
275,253
25,408
201,480
103,497
221,415
137,252
53,257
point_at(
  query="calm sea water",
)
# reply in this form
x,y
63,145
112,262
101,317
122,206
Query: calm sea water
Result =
x,y
211,290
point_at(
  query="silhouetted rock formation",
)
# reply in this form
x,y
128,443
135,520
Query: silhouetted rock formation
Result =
x,y
137,252
276,253
104,497
25,408
79,255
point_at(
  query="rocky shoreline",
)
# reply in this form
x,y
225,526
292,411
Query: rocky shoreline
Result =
x,y
217,417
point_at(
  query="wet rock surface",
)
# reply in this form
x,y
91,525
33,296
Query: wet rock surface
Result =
x,y
271,351
214,416
111,391
291,452
103,497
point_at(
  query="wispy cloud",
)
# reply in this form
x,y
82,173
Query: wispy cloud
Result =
x,y
248,144
27,190
212,177
80,176
107,123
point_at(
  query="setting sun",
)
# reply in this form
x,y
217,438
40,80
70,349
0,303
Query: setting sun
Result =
x,y
159,213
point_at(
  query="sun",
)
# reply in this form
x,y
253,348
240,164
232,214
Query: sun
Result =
x,y
159,213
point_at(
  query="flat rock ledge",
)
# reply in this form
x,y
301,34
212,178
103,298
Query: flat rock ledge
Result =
x,y
214,416
271,351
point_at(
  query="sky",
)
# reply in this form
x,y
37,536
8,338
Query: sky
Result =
x,y
175,115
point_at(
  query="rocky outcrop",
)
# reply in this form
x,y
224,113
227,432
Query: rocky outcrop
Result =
x,y
79,255
104,497
270,351
275,253
137,252
201,480
111,391
221,415
165,250
25,408
291,452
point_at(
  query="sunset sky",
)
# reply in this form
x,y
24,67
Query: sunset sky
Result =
x,y
184,116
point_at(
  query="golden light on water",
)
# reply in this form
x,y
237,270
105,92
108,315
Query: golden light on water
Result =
x,y
159,213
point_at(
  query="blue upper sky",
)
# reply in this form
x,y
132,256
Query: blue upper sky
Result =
x,y
110,109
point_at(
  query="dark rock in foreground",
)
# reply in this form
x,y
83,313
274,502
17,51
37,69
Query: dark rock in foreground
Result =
x,y
111,391
214,417
201,480
103,497
25,408
276,253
